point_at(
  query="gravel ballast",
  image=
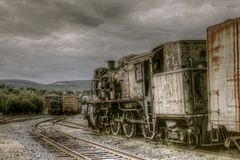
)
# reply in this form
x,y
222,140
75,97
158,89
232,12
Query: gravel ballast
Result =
x,y
17,142
20,135
149,150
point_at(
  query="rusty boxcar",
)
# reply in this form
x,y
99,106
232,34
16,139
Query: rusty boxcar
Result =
x,y
70,104
52,103
58,104
224,76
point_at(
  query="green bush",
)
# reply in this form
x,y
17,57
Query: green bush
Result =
x,y
14,101
12,104
37,104
26,106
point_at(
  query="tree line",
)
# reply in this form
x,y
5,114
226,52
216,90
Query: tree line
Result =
x,y
20,100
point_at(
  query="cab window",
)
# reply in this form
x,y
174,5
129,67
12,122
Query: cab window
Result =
x,y
138,72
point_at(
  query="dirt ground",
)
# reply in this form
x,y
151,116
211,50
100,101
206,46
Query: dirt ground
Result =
x,y
11,149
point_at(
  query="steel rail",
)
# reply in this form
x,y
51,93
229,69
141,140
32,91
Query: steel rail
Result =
x,y
106,148
56,144
18,119
74,154
178,147
76,126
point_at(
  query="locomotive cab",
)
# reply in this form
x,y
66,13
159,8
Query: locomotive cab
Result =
x,y
180,91
140,86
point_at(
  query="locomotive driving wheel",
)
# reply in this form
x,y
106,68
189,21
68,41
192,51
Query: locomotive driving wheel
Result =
x,y
106,123
193,137
107,129
147,134
114,124
129,128
97,120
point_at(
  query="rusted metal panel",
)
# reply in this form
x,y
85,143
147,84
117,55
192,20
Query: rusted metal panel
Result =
x,y
168,97
121,76
125,85
135,87
171,60
181,54
180,79
224,70
181,92
192,54
136,74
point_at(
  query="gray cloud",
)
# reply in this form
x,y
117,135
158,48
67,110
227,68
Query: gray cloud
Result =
x,y
42,17
50,40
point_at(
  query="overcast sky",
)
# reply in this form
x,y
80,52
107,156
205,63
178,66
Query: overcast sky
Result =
x,y
53,40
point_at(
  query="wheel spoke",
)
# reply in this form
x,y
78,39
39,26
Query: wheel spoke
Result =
x,y
115,126
129,128
97,122
107,130
193,137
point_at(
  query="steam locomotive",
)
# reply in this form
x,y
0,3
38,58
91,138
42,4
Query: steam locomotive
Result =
x,y
171,93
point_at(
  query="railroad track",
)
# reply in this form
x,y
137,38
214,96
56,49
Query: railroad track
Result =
x,y
5,120
79,148
220,151
76,126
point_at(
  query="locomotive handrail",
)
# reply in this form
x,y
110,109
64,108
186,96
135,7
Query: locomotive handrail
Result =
x,y
179,70
117,100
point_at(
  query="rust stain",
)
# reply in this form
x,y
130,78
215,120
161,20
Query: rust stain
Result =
x,y
216,60
233,79
214,32
223,26
214,41
238,83
211,39
216,49
236,63
234,67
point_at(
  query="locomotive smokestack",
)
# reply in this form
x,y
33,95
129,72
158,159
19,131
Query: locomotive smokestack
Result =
x,y
111,65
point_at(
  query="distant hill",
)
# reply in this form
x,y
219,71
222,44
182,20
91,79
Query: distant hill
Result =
x,y
70,85
61,85
20,83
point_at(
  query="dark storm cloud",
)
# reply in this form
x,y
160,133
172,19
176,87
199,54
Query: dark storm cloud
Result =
x,y
50,40
42,17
